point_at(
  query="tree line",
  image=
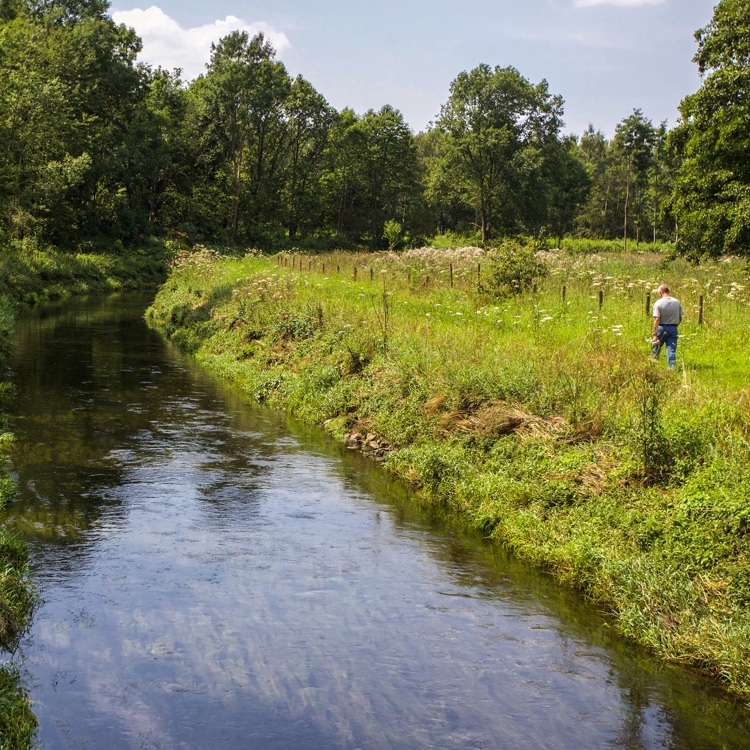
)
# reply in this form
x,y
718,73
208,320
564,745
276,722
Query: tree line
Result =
x,y
101,150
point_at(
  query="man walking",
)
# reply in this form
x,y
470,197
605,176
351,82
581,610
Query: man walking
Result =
x,y
667,316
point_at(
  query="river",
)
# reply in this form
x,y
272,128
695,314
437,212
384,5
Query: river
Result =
x,y
215,575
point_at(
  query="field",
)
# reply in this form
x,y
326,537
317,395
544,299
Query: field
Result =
x,y
529,403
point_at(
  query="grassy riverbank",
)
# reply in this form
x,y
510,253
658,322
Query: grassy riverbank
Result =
x,y
540,417
17,722
27,275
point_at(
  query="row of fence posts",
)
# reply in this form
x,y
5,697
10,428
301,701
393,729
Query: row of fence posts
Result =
x,y
282,260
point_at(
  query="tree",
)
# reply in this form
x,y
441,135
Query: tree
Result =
x,y
595,218
309,121
242,108
711,199
633,145
390,169
447,208
568,187
496,126
342,182
660,185
69,91
372,174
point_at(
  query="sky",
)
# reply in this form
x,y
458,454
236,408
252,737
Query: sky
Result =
x,y
604,57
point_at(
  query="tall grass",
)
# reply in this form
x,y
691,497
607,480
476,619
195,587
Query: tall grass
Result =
x,y
540,416
29,273
17,598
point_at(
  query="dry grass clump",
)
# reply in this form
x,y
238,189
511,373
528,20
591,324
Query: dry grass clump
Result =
x,y
497,418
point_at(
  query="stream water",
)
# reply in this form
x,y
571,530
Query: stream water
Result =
x,y
214,575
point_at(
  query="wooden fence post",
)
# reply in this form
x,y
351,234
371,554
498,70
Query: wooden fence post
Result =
x,y
451,268
700,310
564,290
601,298
648,303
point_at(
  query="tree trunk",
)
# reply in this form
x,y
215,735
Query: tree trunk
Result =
x,y
625,222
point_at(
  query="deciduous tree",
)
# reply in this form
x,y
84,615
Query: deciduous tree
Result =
x,y
496,126
711,199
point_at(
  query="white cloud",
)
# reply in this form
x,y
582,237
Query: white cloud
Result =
x,y
621,3
166,43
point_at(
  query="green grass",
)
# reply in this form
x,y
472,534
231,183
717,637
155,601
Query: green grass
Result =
x,y
17,598
541,419
17,721
29,273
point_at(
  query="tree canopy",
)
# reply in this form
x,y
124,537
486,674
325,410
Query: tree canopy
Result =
x,y
496,127
103,150
712,189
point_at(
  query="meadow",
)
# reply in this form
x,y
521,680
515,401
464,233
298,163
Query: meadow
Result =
x,y
535,411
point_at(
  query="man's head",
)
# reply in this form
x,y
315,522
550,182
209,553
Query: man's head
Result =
x,y
663,289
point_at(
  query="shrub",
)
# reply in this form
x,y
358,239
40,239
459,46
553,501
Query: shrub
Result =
x,y
513,269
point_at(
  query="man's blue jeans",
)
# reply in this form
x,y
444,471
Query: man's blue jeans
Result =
x,y
667,336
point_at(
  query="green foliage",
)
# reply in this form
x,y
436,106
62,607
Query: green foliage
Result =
x,y
17,721
513,269
100,149
392,231
651,389
712,195
495,128
17,597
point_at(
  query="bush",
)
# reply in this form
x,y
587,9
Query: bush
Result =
x,y
513,269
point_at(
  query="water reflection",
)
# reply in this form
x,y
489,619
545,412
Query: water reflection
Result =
x,y
215,576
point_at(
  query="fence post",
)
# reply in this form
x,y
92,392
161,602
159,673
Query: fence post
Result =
x,y
564,290
601,298
700,310
451,267
371,273
355,271
648,303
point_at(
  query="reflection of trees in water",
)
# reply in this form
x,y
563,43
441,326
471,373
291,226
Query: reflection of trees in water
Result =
x,y
98,393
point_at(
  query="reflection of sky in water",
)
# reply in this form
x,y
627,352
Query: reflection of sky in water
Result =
x,y
237,582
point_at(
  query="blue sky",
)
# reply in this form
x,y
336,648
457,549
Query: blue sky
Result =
x,y
604,57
